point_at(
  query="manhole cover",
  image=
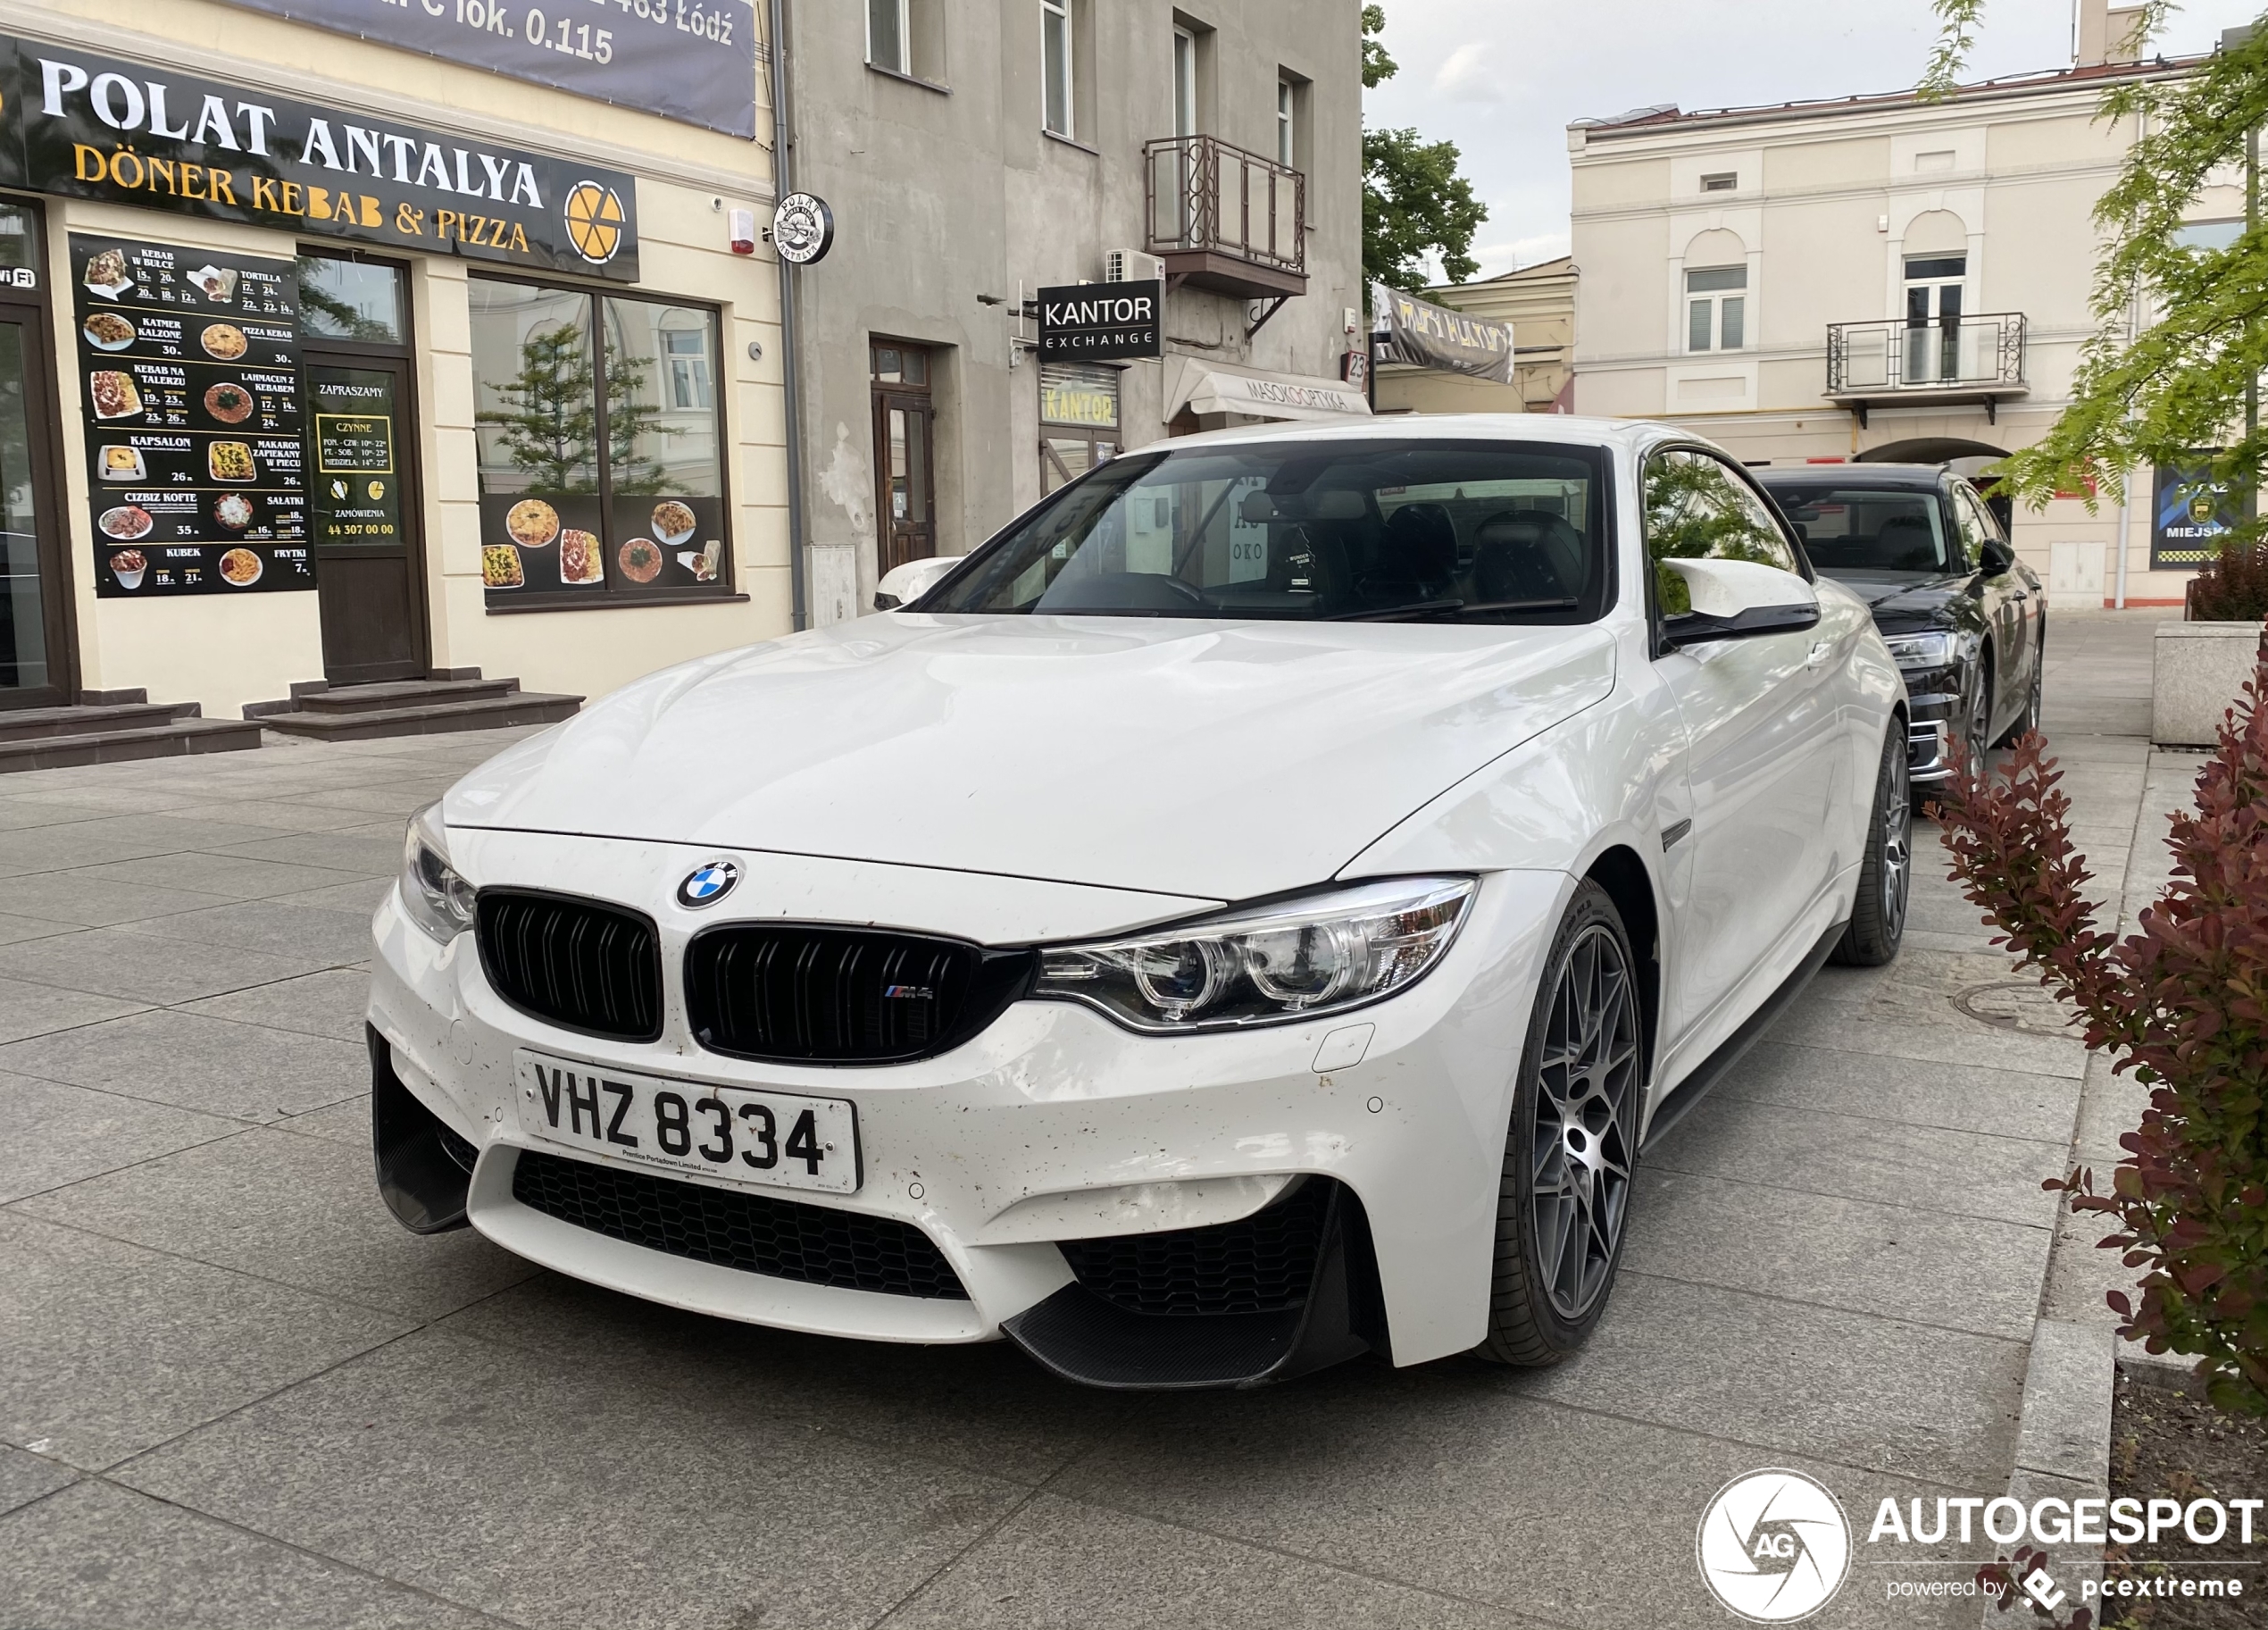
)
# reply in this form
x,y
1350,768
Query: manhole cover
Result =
x,y
2016,1005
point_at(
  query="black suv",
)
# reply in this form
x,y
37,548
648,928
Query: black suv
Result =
x,y
1965,620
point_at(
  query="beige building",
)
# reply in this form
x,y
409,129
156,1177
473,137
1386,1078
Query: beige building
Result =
x,y
1879,279
326,359
1539,303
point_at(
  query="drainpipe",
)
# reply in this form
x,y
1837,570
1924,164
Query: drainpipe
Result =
x,y
2126,487
790,352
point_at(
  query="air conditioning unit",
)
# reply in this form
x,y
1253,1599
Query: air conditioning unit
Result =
x,y
1131,266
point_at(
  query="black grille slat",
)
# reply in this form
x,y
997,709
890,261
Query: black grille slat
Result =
x,y
817,994
1264,1263
755,1233
575,963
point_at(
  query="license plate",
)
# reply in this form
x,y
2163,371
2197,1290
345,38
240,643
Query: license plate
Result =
x,y
774,1139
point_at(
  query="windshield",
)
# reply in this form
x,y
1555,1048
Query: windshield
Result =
x,y
1868,528
1384,530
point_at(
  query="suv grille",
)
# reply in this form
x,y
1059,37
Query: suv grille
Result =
x,y
757,1233
575,963
842,995
1262,1264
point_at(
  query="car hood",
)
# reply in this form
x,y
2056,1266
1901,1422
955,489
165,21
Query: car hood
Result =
x,y
1906,598
1211,759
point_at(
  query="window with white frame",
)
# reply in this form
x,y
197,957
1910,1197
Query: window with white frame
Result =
x,y
888,36
1055,68
1185,83
1286,122
1716,308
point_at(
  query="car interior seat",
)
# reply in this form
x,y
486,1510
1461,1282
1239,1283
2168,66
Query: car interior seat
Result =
x,y
1527,554
1905,543
1416,558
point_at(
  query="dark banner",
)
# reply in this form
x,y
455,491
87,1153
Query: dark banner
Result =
x,y
1405,329
1100,321
188,365
2189,510
694,60
93,126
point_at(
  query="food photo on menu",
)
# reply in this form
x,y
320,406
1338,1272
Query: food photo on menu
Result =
x,y
537,543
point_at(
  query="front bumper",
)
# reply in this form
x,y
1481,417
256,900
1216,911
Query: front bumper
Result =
x,y
1933,701
1053,1124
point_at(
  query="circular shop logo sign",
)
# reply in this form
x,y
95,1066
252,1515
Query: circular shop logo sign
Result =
x,y
708,884
1773,1546
593,221
803,229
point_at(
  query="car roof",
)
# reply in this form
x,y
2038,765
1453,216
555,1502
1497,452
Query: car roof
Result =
x,y
1566,430
1892,477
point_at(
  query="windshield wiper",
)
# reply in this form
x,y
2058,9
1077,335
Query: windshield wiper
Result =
x,y
1435,608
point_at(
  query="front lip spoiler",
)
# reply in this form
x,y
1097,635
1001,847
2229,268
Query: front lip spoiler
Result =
x,y
1081,1337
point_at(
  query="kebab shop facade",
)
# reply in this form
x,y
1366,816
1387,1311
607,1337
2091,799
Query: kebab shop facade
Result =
x,y
292,392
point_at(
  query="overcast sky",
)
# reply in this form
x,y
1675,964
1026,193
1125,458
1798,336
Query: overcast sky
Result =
x,y
1502,79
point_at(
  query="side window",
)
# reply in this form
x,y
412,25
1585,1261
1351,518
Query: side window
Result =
x,y
1975,526
1697,509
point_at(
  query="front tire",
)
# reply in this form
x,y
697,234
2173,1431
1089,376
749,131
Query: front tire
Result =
x,y
1572,1147
1886,868
2029,719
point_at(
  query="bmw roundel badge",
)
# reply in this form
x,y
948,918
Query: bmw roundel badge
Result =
x,y
708,884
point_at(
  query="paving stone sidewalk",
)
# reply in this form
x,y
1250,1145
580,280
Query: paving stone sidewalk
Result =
x,y
233,1393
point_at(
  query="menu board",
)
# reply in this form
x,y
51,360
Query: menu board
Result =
x,y
354,499
189,378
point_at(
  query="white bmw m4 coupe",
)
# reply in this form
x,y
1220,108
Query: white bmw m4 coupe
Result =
x,y
1256,909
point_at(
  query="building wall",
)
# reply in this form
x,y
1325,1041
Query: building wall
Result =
x,y
223,653
1829,200
950,195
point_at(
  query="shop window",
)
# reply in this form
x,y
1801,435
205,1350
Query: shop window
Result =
x,y
1078,419
1716,309
602,477
351,299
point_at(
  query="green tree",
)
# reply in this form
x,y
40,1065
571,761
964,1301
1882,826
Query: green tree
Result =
x,y
549,420
1413,200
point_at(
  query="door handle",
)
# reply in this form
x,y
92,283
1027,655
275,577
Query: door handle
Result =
x,y
1819,651
2023,595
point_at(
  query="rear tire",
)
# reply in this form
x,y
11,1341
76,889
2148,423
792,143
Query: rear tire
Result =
x,y
1572,1147
2029,719
1886,868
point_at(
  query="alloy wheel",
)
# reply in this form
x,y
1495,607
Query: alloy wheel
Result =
x,y
1974,746
1897,846
1586,1102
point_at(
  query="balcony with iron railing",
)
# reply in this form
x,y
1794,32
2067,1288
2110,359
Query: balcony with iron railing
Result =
x,y
1911,361
1223,219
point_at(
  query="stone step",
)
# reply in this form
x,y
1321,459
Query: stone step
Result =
x,y
34,723
433,718
166,740
391,695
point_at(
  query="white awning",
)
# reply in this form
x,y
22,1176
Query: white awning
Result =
x,y
1215,388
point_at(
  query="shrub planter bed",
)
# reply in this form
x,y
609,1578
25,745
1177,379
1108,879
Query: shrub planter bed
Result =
x,y
2168,1443
2197,670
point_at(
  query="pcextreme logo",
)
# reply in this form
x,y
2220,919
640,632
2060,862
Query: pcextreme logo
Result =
x,y
1773,1546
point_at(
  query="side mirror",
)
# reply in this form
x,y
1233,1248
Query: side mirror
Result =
x,y
903,585
1735,599
1998,558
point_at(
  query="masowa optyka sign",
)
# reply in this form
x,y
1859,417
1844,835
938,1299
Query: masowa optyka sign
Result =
x,y
1101,321
95,127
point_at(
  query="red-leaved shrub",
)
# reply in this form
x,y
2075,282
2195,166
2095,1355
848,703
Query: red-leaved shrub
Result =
x,y
2233,586
2183,1003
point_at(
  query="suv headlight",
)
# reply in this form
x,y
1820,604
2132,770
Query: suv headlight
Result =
x,y
433,896
1307,957
1920,651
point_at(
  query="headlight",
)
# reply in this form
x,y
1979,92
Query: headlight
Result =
x,y
433,896
1318,955
1920,651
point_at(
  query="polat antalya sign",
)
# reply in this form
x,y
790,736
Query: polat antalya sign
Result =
x,y
93,126
1100,321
